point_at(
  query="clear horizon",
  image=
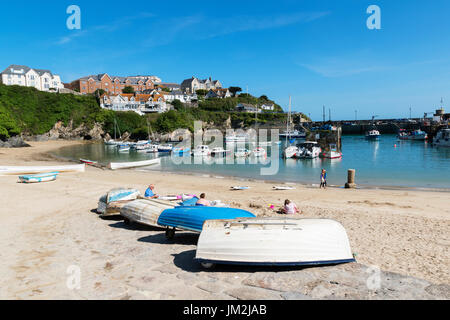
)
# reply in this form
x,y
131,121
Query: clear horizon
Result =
x,y
320,53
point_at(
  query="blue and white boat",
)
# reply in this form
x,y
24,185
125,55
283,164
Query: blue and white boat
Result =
x,y
179,151
373,135
37,178
193,218
124,147
165,148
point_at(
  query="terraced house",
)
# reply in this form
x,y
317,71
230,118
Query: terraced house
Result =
x,y
43,80
193,84
139,103
112,84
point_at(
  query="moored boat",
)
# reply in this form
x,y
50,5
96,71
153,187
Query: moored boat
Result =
x,y
135,164
201,151
89,162
165,148
290,152
193,218
308,150
153,148
417,135
259,152
373,135
273,241
179,151
331,153
15,170
242,153
219,152
43,177
442,138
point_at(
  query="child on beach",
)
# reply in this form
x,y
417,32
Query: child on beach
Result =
x,y
290,208
323,179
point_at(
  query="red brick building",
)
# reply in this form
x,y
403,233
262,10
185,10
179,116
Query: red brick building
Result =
x,y
112,85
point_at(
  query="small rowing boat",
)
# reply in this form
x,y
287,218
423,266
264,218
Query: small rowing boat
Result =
x,y
12,170
89,162
144,211
44,177
193,218
273,241
283,188
112,202
135,164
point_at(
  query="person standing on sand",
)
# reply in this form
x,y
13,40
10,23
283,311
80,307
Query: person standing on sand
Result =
x,y
203,202
323,179
149,192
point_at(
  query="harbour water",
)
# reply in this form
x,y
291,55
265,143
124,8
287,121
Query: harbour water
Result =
x,y
385,163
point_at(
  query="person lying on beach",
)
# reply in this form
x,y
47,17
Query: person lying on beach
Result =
x,y
289,208
202,201
149,193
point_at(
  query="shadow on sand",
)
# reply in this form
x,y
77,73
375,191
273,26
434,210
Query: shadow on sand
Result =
x,y
186,261
134,226
181,238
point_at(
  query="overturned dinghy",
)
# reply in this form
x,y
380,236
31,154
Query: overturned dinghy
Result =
x,y
43,177
111,203
273,241
14,170
193,218
145,211
135,164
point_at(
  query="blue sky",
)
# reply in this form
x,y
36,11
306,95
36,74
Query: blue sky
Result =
x,y
319,52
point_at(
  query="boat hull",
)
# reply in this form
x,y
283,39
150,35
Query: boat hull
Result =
x,y
128,165
274,241
145,212
12,170
193,218
46,177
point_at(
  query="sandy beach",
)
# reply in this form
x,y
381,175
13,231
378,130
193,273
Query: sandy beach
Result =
x,y
49,227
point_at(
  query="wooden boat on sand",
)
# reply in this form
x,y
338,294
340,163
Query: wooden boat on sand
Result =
x,y
43,177
15,170
111,203
273,241
145,212
135,164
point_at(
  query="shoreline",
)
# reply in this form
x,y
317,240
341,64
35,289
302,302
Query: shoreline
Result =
x,y
401,231
231,177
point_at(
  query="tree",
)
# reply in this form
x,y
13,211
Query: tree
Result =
x,y
264,97
128,89
235,90
166,89
99,92
177,104
202,92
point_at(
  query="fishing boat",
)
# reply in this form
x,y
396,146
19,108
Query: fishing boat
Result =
x,y
193,218
290,152
153,148
145,212
373,135
112,202
43,177
135,164
89,162
331,153
13,170
124,147
416,135
442,138
259,152
308,150
273,241
242,153
180,151
201,151
165,148
219,152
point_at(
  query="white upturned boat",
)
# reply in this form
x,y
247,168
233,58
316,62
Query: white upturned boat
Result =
x,y
43,177
12,170
136,164
145,212
112,202
273,241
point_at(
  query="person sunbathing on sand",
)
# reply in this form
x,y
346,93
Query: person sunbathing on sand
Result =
x,y
203,202
149,193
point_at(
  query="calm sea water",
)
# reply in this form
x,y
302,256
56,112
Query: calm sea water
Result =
x,y
377,163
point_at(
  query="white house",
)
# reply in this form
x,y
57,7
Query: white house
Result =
x,y
179,95
139,103
194,84
43,80
268,107
218,93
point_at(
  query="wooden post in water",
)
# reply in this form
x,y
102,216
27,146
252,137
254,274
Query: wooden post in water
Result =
x,y
351,179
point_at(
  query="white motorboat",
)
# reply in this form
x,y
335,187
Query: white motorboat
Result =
x,y
373,135
273,241
308,150
13,170
136,164
145,211
113,142
201,151
165,148
219,152
290,152
442,138
331,153
124,147
242,153
153,148
259,152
